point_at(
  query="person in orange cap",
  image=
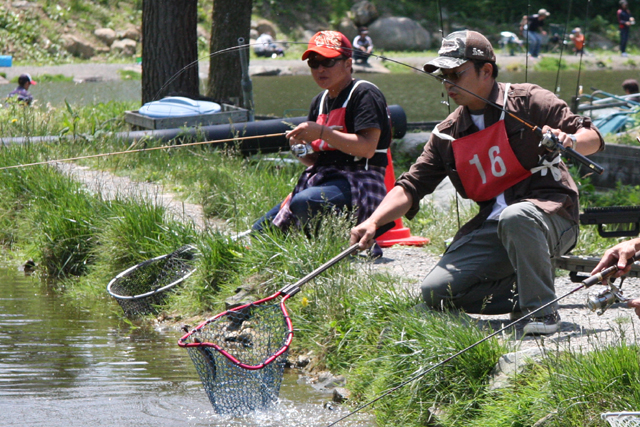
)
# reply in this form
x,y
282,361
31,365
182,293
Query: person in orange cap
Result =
x,y
343,143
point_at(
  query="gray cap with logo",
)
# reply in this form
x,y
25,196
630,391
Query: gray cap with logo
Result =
x,y
459,47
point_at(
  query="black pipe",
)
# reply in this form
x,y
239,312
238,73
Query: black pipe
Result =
x,y
272,144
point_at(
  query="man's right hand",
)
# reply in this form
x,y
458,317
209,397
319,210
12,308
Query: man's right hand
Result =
x,y
363,234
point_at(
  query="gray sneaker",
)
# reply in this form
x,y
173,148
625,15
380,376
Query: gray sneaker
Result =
x,y
548,324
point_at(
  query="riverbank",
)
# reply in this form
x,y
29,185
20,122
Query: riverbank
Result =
x,y
88,72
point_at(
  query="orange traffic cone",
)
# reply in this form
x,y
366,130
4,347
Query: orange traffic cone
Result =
x,y
398,235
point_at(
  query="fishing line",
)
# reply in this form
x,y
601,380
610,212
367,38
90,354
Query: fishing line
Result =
x,y
586,30
140,150
601,277
448,102
564,32
526,53
549,138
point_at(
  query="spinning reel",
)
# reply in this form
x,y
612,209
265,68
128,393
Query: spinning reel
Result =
x,y
600,302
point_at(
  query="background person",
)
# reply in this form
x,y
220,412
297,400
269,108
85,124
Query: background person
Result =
x,y
265,46
349,131
577,38
624,21
533,31
22,91
362,46
528,202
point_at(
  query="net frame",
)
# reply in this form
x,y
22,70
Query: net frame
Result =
x,y
622,419
262,370
174,266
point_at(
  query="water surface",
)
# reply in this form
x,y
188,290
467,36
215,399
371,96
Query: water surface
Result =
x,y
421,96
64,363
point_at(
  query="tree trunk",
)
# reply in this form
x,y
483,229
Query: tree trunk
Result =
x,y
231,20
169,49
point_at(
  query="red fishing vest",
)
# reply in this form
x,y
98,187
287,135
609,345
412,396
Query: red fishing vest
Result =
x,y
335,117
485,161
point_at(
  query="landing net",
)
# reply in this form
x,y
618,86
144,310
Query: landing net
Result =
x,y
240,357
141,289
622,419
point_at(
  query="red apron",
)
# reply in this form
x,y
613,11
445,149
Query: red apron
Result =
x,y
334,117
485,161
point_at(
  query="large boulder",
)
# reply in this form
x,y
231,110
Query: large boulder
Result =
x,y
348,28
78,47
399,34
363,13
124,47
106,35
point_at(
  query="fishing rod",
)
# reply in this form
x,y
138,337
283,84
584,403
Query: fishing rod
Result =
x,y
606,300
140,150
586,31
564,33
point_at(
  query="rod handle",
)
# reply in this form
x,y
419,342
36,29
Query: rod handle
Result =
x,y
607,272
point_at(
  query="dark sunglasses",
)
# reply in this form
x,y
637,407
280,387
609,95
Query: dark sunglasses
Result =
x,y
326,63
454,77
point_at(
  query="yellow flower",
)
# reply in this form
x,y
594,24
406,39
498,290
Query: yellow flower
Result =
x,y
305,301
14,120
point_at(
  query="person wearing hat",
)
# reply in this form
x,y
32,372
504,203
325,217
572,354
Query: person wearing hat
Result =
x,y
578,40
533,31
624,21
500,261
362,46
344,141
22,91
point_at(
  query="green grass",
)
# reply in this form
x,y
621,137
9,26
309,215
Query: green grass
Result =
x,y
356,322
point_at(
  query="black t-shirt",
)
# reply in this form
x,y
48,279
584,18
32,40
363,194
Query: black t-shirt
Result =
x,y
534,22
367,108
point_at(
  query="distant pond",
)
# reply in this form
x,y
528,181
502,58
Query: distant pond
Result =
x,y
419,95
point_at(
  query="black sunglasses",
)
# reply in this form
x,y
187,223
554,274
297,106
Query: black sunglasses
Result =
x,y
326,63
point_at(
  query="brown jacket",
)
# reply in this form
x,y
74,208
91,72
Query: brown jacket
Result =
x,y
529,102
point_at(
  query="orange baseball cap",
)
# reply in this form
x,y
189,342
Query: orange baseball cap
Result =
x,y
330,44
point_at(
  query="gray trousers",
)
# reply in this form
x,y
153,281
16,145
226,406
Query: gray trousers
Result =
x,y
503,266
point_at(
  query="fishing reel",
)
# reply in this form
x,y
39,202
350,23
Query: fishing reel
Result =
x,y
301,150
549,141
600,302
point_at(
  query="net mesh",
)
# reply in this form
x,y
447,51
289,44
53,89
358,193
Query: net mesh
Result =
x,y
622,419
141,289
251,335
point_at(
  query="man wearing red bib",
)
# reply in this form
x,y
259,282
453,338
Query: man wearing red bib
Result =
x,y
500,261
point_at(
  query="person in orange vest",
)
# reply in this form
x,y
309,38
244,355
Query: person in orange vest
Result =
x,y
578,41
343,143
500,261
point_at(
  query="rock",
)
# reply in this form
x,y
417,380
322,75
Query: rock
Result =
x,y
510,364
411,145
77,46
105,35
363,13
341,394
326,381
399,34
263,26
131,33
348,28
125,47
302,361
